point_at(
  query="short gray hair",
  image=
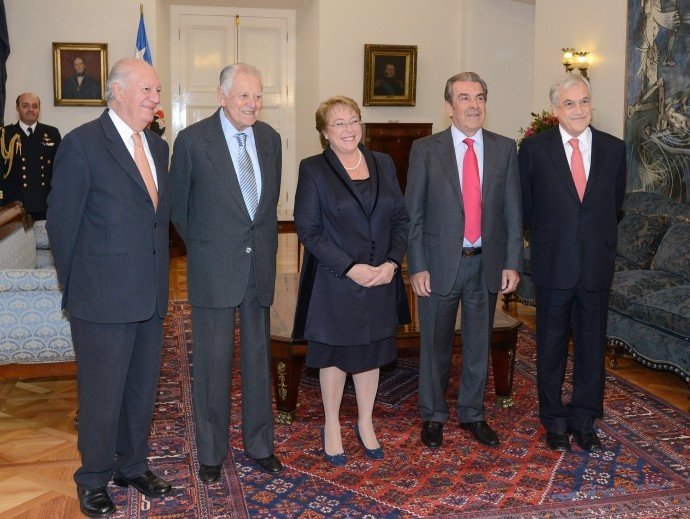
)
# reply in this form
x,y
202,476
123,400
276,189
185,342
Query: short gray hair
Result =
x,y
565,81
227,75
472,77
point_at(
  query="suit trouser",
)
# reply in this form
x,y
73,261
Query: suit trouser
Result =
x,y
213,332
587,310
437,316
117,374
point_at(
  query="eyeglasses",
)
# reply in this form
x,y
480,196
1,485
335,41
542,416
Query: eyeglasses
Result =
x,y
341,125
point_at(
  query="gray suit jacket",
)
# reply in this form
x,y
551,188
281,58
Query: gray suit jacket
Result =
x,y
210,215
110,247
437,220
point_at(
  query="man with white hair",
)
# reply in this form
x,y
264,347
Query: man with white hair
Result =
x,y
108,219
225,174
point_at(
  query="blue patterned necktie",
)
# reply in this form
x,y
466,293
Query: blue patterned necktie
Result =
x,y
247,179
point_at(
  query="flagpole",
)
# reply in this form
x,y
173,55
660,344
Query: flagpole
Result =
x,y
141,9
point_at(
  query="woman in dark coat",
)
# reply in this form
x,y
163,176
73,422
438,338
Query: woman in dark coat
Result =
x,y
350,216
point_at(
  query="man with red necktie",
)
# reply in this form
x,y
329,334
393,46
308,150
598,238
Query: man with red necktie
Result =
x,y
573,182
465,247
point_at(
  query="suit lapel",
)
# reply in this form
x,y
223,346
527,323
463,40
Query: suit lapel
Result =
x,y
218,153
374,175
489,163
598,157
556,152
446,154
120,152
263,149
334,163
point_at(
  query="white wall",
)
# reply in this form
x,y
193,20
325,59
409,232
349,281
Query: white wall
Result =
x,y
498,44
42,22
307,78
433,25
598,26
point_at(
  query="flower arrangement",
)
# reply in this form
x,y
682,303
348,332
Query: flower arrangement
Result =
x,y
158,124
540,123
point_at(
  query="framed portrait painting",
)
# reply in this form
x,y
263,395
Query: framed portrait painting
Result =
x,y
390,75
79,73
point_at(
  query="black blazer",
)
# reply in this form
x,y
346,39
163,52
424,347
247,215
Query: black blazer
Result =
x,y
337,232
110,246
572,240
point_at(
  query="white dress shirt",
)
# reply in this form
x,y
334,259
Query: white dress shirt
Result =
x,y
585,139
25,127
460,150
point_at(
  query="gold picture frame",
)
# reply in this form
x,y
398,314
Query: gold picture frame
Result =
x,y
390,75
79,73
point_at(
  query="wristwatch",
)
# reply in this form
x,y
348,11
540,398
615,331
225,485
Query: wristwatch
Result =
x,y
395,265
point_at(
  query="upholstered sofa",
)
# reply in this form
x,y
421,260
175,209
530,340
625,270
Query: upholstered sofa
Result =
x,y
649,306
35,337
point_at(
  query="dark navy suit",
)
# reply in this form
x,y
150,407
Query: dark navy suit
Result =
x,y
573,248
111,252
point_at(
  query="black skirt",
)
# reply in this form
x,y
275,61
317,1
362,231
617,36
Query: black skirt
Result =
x,y
351,359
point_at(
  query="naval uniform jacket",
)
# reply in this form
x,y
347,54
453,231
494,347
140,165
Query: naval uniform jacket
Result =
x,y
27,179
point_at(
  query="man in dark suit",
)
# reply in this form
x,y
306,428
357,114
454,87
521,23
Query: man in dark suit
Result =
x,y
573,182
108,216
225,174
80,85
28,166
465,246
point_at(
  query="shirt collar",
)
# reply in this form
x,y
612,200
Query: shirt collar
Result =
x,y
122,127
458,137
230,131
585,137
25,126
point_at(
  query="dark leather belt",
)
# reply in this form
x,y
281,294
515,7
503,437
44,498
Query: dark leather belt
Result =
x,y
471,251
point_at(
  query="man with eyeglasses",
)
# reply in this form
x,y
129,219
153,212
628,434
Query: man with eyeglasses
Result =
x,y
465,247
225,174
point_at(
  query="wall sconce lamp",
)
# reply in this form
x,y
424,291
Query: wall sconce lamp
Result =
x,y
573,59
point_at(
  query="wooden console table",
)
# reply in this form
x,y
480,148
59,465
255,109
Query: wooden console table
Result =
x,y
287,356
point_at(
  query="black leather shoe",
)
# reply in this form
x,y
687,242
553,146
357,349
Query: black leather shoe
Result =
x,y
209,473
270,465
148,484
588,440
481,432
557,441
432,434
94,502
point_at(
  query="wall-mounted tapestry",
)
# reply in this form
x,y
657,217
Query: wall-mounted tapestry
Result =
x,y
657,97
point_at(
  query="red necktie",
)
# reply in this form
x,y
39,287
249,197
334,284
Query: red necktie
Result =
x,y
577,168
471,193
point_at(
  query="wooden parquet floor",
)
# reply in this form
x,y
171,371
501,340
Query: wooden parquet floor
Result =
x,y
38,441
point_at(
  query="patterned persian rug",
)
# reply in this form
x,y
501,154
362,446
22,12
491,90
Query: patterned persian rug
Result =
x,y
643,471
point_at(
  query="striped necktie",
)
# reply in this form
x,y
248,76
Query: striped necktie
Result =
x,y
247,179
